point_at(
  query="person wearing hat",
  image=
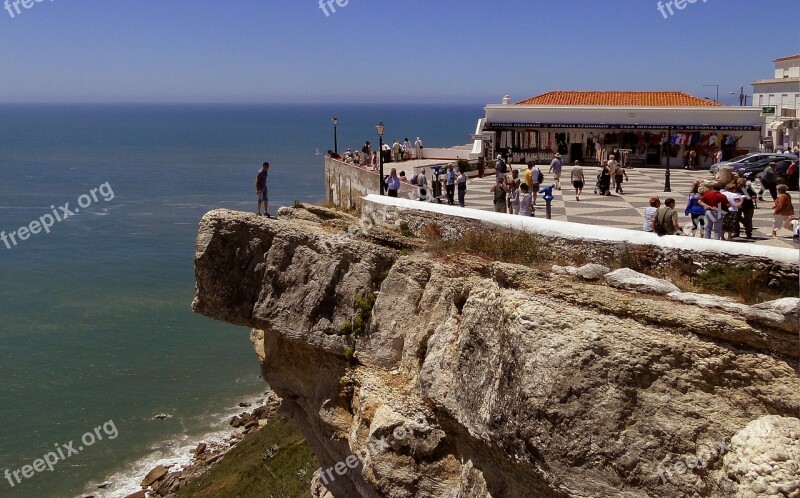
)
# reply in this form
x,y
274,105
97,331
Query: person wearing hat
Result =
x,y
555,168
500,168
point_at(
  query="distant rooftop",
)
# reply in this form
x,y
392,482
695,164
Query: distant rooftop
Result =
x,y
642,99
790,58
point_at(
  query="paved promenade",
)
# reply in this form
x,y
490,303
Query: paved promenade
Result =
x,y
627,210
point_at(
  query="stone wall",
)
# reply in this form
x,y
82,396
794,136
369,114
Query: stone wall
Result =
x,y
647,251
346,184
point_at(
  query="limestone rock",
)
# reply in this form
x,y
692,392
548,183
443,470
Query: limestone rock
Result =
x,y
476,379
592,271
763,459
627,279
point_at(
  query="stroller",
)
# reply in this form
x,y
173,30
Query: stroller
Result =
x,y
597,185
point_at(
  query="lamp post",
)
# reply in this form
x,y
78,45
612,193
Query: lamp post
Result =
x,y
742,97
335,137
380,129
667,187
717,86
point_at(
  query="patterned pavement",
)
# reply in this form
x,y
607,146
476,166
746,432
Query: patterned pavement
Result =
x,y
627,210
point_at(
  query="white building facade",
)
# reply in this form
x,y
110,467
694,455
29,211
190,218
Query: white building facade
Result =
x,y
779,101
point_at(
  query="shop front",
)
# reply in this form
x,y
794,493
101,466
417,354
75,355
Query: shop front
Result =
x,y
638,135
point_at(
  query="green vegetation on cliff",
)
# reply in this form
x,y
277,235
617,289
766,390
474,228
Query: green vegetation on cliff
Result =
x,y
274,462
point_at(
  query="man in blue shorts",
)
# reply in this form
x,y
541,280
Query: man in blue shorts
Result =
x,y
261,189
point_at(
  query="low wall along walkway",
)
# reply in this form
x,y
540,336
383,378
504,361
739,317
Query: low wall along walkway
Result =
x,y
575,242
346,184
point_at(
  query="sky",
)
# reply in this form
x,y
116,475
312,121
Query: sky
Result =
x,y
383,51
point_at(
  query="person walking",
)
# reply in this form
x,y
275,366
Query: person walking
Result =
x,y
393,183
555,168
730,223
526,201
536,176
782,210
697,212
769,181
747,208
261,189
619,174
577,179
500,191
667,219
612,167
529,176
715,204
650,214
605,179
500,168
461,187
450,184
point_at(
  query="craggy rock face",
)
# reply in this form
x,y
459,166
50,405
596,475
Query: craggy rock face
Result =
x,y
476,378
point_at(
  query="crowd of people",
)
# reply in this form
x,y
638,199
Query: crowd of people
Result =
x,y
721,210
717,209
368,157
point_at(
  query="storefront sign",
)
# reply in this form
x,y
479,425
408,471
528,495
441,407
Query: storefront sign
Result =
x,y
480,137
768,110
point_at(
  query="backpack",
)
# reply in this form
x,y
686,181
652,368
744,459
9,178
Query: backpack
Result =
x,y
658,222
540,177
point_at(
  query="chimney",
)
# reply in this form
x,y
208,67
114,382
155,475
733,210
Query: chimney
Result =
x,y
506,100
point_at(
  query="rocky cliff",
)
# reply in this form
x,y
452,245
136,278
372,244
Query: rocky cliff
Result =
x,y
456,376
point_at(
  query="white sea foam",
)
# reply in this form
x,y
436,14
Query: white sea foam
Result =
x,y
175,453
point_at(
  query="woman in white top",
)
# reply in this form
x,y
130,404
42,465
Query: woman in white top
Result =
x,y
650,214
730,223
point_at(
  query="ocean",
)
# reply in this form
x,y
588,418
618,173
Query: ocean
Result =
x,y
97,334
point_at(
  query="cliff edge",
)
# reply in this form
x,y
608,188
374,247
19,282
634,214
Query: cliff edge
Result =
x,y
417,374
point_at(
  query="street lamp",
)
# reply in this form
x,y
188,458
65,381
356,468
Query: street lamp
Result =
x,y
335,137
717,86
380,129
667,187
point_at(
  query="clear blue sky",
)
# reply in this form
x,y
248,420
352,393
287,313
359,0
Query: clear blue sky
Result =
x,y
381,50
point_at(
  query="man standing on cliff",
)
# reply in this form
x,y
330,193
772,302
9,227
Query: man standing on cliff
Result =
x,y
261,189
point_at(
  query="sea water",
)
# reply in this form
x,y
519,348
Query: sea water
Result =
x,y
95,319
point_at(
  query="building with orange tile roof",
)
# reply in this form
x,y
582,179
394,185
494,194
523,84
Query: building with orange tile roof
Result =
x,y
644,127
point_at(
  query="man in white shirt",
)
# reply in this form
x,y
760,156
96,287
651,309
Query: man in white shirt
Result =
x,y
418,147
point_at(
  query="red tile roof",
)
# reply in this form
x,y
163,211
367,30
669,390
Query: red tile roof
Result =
x,y
790,58
641,99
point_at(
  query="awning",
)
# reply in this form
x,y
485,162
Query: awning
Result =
x,y
775,125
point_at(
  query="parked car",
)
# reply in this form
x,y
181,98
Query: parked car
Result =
x,y
753,170
749,159
783,168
